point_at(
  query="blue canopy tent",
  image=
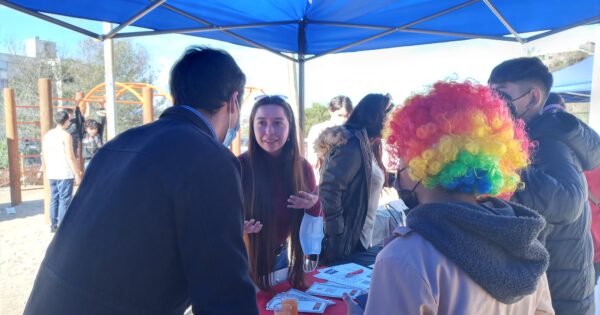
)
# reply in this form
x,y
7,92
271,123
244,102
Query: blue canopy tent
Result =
x,y
574,83
310,29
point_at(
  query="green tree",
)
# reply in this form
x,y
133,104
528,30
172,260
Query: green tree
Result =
x,y
314,114
131,63
80,73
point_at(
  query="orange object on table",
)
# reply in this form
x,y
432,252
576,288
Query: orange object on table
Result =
x,y
262,298
293,303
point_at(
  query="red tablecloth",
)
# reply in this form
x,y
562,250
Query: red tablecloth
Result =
x,y
262,298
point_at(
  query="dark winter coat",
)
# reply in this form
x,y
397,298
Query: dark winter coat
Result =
x,y
155,226
556,187
343,189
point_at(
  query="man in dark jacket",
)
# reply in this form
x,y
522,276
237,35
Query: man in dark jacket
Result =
x,y
157,222
554,183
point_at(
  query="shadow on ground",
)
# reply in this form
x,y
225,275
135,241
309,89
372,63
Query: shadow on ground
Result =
x,y
24,210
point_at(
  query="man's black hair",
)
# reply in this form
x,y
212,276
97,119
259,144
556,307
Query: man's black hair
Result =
x,y
204,78
61,117
523,69
338,102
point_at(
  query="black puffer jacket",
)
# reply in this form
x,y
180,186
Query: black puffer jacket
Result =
x,y
556,187
344,188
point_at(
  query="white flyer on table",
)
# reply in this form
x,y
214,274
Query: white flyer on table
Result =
x,y
350,275
306,303
331,289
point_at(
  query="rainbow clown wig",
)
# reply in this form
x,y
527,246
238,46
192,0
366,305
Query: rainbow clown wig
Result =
x,y
461,137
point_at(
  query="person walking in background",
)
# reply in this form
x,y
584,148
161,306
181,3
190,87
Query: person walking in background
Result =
x,y
62,170
352,178
279,190
91,142
339,108
463,251
554,183
157,223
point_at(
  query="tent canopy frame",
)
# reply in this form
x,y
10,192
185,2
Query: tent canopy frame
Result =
x,y
301,58
302,23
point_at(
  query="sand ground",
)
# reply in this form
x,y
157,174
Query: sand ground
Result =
x,y
24,237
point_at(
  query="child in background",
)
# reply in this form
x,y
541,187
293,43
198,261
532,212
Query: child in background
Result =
x,y
92,141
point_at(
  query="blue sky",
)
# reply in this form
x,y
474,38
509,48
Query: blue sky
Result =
x,y
399,71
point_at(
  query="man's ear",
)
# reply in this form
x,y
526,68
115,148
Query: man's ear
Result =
x,y
232,101
537,96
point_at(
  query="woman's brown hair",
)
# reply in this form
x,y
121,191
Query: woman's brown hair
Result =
x,y
258,201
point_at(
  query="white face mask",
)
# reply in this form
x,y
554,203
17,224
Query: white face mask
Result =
x,y
231,132
311,237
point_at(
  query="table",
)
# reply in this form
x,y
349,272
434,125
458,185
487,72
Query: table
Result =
x,y
262,298
385,223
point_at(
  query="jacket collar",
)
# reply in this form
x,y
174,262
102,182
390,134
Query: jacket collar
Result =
x,y
179,112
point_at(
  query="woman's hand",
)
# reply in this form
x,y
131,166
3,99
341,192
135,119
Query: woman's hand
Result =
x,y
303,200
252,226
351,307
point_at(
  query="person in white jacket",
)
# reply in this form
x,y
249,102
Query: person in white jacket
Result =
x,y
339,108
463,251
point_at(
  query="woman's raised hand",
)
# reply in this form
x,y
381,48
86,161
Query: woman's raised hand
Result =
x,y
303,200
252,226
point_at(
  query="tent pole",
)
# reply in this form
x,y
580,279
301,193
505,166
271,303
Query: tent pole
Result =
x,y
504,22
301,81
109,84
232,34
132,20
594,114
301,101
49,19
595,19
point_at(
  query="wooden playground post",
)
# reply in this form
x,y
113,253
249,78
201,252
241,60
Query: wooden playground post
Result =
x,y
147,105
45,93
12,138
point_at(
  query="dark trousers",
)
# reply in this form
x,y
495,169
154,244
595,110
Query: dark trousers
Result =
x,y
61,191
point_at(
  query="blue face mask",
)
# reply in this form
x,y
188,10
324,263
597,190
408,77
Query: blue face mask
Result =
x,y
231,132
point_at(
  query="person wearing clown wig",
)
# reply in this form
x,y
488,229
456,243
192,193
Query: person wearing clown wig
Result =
x,y
555,185
464,250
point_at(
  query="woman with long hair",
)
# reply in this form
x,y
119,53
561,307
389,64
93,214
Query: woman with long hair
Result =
x,y
464,251
352,178
279,186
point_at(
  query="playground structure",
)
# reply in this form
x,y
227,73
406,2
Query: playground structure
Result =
x,y
23,165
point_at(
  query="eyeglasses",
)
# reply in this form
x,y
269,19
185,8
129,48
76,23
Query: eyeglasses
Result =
x,y
510,102
390,108
276,96
390,105
408,196
397,182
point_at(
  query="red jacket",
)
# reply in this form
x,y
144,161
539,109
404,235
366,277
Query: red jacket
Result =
x,y
593,179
